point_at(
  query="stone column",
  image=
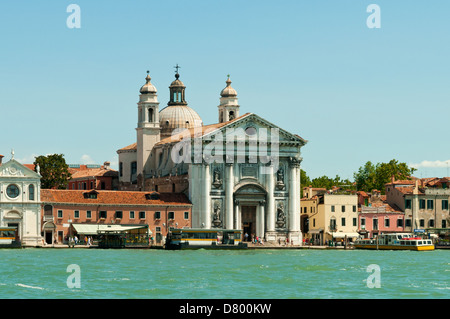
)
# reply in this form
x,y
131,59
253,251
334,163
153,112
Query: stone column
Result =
x,y
145,113
294,209
229,184
206,195
270,200
237,215
260,216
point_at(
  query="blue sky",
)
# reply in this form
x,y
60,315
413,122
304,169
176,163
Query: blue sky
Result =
x,y
313,68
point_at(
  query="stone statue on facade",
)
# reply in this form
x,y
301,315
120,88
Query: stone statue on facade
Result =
x,y
216,216
280,177
281,217
217,182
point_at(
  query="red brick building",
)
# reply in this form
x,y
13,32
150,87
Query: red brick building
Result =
x,y
160,211
87,177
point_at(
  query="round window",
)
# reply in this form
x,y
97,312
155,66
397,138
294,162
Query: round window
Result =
x,y
12,191
250,130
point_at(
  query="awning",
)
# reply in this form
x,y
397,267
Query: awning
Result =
x,y
93,229
342,235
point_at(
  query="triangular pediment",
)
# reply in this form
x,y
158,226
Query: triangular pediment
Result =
x,y
252,126
248,123
16,170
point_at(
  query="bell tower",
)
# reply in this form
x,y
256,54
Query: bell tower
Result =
x,y
148,130
228,108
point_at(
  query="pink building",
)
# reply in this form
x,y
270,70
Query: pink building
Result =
x,y
376,216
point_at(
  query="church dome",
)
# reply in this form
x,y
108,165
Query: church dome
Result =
x,y
148,87
178,116
228,91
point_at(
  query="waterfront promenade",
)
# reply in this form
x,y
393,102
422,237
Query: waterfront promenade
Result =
x,y
250,246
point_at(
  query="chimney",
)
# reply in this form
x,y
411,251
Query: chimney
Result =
x,y
416,188
392,179
107,165
1,157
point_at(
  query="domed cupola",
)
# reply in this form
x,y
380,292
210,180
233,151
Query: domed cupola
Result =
x,y
177,115
229,107
148,86
177,89
228,91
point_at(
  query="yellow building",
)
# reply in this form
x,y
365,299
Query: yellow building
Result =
x,y
329,216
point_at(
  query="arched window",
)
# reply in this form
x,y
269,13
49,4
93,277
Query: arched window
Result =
x,y
150,115
31,192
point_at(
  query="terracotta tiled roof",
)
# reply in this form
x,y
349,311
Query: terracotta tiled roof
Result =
x,y
389,208
112,198
30,166
91,172
362,193
197,131
402,182
129,147
405,190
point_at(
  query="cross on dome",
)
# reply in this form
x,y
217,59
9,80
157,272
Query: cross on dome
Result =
x,y
177,75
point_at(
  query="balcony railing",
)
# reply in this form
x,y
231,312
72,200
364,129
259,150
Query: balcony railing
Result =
x,y
48,218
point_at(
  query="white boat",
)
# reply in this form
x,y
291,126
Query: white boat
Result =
x,y
192,238
395,241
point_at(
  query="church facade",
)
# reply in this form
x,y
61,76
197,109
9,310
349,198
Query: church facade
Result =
x,y
240,173
20,204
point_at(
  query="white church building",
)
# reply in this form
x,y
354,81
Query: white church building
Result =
x,y
20,204
240,173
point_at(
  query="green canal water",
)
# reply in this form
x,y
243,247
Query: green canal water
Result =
x,y
251,274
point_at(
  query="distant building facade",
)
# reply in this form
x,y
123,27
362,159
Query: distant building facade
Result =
x,y
329,216
20,190
86,177
425,203
62,208
377,216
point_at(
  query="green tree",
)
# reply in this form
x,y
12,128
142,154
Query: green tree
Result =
x,y
365,177
328,182
371,177
304,179
54,171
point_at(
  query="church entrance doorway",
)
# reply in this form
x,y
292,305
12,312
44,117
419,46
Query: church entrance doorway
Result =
x,y
248,222
48,237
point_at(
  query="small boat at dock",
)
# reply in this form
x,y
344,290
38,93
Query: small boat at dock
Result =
x,y
9,238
